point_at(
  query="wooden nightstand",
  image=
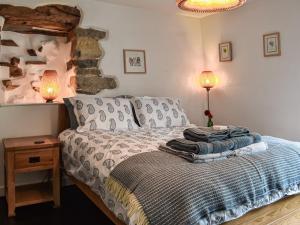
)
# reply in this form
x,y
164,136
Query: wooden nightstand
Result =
x,y
29,154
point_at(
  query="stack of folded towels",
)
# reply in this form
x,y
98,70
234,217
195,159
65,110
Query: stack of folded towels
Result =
x,y
208,144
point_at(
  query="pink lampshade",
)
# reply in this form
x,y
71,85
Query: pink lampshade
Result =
x,y
208,79
49,85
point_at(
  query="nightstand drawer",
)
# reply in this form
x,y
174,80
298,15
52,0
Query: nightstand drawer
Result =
x,y
31,159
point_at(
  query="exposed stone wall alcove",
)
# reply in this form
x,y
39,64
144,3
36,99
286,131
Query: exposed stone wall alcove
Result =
x,y
59,22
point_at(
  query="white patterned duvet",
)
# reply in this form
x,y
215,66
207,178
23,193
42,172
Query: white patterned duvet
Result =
x,y
91,156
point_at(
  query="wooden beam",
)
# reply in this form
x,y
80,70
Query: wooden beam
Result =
x,y
5,64
35,63
29,30
9,43
52,19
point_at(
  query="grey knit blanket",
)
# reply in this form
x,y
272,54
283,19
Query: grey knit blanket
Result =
x,y
165,189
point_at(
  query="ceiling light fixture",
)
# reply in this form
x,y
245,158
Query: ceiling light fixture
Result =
x,y
209,6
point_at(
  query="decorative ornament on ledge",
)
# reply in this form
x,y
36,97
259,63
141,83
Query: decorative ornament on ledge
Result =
x,y
209,6
208,80
49,89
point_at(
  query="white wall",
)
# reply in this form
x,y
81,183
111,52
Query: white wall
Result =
x,y
174,58
261,93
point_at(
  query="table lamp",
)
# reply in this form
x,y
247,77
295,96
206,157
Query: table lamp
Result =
x,y
49,85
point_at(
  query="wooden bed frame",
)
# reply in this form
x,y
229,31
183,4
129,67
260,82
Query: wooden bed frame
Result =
x,y
283,212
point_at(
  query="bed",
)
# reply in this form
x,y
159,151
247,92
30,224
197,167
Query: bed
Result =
x,y
286,211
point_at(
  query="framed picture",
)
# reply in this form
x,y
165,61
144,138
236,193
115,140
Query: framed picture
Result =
x,y
272,44
134,61
225,52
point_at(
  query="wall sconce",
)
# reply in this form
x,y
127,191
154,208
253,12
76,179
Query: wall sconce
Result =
x,y
208,80
49,89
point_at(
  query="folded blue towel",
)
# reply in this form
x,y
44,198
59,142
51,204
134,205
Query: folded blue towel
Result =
x,y
237,132
210,135
205,134
202,148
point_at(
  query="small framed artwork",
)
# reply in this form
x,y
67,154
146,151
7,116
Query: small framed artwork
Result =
x,y
225,52
272,46
134,61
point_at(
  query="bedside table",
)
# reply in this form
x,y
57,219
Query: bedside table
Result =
x,y
29,154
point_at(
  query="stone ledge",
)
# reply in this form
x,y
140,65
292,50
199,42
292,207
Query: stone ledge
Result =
x,y
83,72
93,84
96,34
86,63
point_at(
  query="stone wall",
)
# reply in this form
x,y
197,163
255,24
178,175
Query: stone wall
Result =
x,y
86,55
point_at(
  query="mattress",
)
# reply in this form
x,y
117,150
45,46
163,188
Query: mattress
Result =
x,y
91,156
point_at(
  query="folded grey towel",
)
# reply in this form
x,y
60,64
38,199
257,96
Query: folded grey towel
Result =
x,y
202,148
205,134
195,158
237,131
257,137
210,135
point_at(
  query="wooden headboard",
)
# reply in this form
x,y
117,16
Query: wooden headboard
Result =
x,y
63,118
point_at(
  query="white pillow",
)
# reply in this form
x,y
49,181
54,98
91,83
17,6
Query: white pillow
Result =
x,y
153,112
96,113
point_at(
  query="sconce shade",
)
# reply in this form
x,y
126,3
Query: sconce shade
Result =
x,y
208,79
49,88
209,6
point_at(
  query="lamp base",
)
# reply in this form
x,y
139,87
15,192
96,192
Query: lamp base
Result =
x,y
49,101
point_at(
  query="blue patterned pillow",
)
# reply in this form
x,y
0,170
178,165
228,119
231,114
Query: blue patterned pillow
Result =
x,y
153,112
96,113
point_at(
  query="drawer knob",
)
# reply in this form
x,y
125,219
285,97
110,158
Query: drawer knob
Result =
x,y
36,159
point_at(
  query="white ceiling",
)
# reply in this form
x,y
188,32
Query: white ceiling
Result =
x,y
167,6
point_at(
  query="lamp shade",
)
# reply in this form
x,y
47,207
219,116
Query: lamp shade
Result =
x,y
49,88
209,6
208,79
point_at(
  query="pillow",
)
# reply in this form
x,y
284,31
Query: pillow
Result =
x,y
72,117
159,112
103,114
133,111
